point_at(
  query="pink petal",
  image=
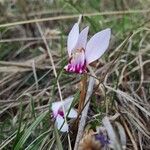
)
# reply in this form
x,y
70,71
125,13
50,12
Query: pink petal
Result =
x,y
61,125
55,108
97,45
73,38
77,62
82,40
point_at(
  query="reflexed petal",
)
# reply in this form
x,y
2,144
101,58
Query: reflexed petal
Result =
x,y
60,122
72,114
67,103
55,107
97,45
82,40
73,38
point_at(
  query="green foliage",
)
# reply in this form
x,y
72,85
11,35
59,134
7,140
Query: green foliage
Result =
x,y
27,132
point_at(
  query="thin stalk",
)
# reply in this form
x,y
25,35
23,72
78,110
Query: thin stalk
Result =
x,y
83,85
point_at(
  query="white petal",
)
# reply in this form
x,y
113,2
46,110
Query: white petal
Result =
x,y
82,40
55,107
73,38
67,103
97,45
72,114
60,122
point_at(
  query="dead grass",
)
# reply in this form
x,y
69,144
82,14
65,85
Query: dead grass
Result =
x,y
32,76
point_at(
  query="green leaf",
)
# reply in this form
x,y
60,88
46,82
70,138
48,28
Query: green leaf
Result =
x,y
37,141
7,141
28,132
58,141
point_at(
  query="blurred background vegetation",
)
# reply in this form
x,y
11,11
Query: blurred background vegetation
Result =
x,y
27,82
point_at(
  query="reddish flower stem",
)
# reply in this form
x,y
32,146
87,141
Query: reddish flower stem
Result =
x,y
83,85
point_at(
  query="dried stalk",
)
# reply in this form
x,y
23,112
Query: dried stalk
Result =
x,y
76,16
84,113
55,74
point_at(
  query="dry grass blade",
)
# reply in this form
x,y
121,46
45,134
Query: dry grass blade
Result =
x,y
13,69
84,113
112,135
28,39
27,64
130,136
33,53
75,16
122,135
129,98
55,73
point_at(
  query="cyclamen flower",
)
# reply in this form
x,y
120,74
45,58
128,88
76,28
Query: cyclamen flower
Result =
x,y
102,139
58,114
82,53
